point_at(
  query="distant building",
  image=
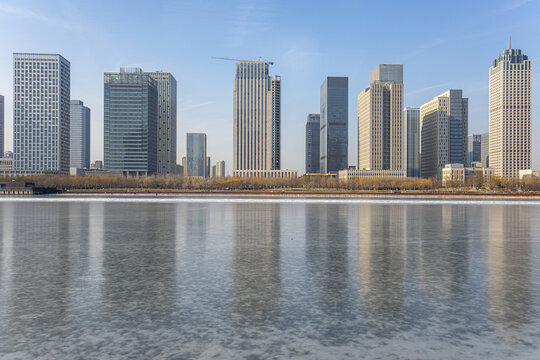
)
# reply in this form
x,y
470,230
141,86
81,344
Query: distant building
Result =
x,y
179,170
196,154
484,149
266,173
256,117
208,167
313,142
458,174
79,140
443,132
1,125
355,173
41,111
6,164
98,165
474,149
184,165
166,121
334,119
412,118
381,124
220,169
130,122
510,113
529,173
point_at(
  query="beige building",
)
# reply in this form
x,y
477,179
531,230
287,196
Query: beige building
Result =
x,y
458,174
354,173
523,174
381,124
510,113
443,132
266,173
257,117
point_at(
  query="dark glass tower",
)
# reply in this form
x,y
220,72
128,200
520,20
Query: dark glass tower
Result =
x,y
313,144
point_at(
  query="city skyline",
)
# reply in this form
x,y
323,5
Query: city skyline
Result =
x,y
302,60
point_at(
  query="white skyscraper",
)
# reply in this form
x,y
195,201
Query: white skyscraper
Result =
x,y
257,117
510,113
41,113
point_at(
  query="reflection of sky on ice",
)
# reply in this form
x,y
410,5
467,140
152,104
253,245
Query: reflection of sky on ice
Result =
x,y
268,278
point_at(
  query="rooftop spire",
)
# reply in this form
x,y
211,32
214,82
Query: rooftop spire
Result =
x,y
509,42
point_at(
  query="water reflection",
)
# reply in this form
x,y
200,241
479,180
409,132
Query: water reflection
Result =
x,y
510,265
382,260
256,261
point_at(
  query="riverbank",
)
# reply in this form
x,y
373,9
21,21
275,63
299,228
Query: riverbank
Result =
x,y
338,194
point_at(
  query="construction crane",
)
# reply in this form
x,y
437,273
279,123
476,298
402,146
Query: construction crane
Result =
x,y
224,58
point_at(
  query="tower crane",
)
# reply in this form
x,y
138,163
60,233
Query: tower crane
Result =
x,y
224,58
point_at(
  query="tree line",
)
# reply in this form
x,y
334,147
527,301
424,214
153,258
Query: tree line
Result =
x,y
305,183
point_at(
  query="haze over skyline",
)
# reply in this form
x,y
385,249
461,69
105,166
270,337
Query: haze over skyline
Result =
x,y
441,47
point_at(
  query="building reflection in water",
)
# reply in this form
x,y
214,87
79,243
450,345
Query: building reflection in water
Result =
x,y
510,264
255,261
40,255
382,261
444,249
6,265
138,264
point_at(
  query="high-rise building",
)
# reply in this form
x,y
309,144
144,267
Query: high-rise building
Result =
x,y
443,132
474,149
41,111
484,150
1,126
510,113
313,142
381,125
166,123
184,166
220,169
196,155
412,118
130,122
334,119
208,167
79,140
257,117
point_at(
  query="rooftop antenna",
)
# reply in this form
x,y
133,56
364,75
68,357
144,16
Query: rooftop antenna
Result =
x,y
510,42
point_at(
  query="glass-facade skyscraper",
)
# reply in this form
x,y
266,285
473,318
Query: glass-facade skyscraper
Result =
x,y
313,142
412,116
334,142
196,155
474,149
130,122
166,127
41,112
256,117
79,142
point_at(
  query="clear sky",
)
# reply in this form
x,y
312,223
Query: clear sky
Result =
x,y
441,44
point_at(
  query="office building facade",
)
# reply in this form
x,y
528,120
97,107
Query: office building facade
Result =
x,y
443,132
313,142
334,119
79,140
220,169
381,124
256,117
484,149
167,121
130,122
41,113
510,113
474,149
412,118
196,159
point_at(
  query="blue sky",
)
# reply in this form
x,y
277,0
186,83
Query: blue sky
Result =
x,y
442,45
